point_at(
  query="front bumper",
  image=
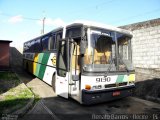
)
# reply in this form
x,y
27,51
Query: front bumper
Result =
x,y
99,96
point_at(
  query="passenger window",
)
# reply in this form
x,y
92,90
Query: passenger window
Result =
x,y
45,43
58,37
37,47
51,42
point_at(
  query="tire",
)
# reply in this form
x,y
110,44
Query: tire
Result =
x,y
54,82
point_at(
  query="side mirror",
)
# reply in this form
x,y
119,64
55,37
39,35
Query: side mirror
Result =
x,y
58,41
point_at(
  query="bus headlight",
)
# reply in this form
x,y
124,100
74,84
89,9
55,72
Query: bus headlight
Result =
x,y
87,87
131,82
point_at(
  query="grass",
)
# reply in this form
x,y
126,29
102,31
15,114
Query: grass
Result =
x,y
7,81
8,76
13,94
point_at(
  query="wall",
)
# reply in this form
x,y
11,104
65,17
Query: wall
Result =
x,y
146,58
15,58
146,48
4,54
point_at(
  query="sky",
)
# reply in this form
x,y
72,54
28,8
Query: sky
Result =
x,y
21,20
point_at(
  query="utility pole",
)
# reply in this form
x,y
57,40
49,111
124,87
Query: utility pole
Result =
x,y
43,25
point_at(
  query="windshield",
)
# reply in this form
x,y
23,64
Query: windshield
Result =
x,y
101,53
124,52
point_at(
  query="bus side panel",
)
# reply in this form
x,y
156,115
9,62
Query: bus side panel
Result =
x,y
50,69
48,74
30,66
42,66
25,64
45,68
36,68
45,58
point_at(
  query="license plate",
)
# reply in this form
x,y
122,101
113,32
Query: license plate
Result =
x,y
116,93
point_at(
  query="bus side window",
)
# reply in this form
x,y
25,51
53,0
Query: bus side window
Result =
x,y
24,47
45,43
38,47
58,37
51,42
32,46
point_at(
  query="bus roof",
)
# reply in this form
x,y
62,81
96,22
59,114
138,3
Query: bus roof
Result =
x,y
54,30
99,25
88,24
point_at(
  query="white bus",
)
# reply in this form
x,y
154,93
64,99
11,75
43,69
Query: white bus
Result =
x,y
89,62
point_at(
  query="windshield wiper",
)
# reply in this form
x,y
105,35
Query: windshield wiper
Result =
x,y
109,68
121,60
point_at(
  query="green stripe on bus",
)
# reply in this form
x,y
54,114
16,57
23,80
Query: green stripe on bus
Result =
x,y
43,67
37,69
41,71
125,79
45,58
40,57
120,79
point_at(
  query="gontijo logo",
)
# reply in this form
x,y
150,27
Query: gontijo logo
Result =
x,y
53,60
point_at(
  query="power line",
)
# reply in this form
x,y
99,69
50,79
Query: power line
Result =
x,y
104,3
35,19
142,14
95,6
27,18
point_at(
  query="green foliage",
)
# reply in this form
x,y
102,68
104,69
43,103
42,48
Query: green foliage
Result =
x,y
8,76
15,96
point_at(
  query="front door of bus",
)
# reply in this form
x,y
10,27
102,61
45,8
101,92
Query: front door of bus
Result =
x,y
75,70
62,66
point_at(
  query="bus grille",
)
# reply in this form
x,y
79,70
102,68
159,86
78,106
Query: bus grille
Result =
x,y
115,85
110,85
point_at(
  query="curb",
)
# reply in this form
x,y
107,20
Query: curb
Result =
x,y
153,99
145,101
24,109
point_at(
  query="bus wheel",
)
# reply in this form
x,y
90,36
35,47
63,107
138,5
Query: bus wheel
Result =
x,y
54,82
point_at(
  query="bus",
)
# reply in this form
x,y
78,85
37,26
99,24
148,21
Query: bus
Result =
x,y
86,61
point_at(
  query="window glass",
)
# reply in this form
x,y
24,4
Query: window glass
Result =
x,y
124,52
123,46
45,40
58,37
32,43
37,46
73,32
62,59
48,42
25,47
51,42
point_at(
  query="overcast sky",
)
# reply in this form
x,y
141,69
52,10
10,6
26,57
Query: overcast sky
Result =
x,y
21,20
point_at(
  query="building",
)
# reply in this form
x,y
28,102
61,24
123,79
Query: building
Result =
x,y
146,58
4,54
146,48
